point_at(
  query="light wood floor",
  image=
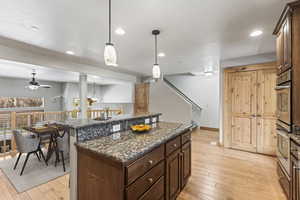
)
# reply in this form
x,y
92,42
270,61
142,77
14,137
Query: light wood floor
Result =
x,y
217,174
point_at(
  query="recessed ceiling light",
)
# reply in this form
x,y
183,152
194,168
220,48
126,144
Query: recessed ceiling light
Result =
x,y
256,33
70,52
34,28
120,31
161,54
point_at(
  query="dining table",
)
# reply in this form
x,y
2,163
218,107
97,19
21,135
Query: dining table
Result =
x,y
52,130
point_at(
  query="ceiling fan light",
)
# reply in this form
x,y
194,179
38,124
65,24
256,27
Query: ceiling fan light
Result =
x,y
208,73
110,55
156,71
33,87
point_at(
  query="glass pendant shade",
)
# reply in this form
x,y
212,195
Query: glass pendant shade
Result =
x,y
156,71
110,55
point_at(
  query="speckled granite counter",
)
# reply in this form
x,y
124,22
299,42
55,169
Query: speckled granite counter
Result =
x,y
126,146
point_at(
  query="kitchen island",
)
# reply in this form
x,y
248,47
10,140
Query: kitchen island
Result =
x,y
127,165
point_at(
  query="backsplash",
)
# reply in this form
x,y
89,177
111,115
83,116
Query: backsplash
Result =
x,y
105,129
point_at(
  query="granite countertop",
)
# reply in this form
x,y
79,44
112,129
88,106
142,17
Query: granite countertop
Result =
x,y
80,123
126,146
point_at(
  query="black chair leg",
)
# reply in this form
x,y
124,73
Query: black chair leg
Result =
x,y
56,158
63,160
19,156
27,156
42,155
37,155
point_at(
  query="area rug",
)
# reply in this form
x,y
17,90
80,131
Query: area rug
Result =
x,y
35,173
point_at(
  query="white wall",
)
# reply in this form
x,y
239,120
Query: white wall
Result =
x,y
173,107
13,87
112,96
205,92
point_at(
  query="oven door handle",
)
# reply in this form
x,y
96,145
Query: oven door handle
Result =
x,y
282,133
282,87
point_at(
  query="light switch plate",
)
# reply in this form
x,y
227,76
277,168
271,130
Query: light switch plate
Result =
x,y
147,121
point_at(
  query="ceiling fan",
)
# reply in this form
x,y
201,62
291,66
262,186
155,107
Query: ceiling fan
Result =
x,y
34,85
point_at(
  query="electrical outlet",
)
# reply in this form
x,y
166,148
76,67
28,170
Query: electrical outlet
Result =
x,y
154,119
147,121
116,127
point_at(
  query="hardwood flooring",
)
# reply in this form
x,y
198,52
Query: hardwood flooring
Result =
x,y
217,174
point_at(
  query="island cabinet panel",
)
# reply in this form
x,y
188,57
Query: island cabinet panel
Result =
x,y
157,174
186,163
98,179
142,165
173,175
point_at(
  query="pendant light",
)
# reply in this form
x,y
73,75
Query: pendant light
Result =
x,y
110,54
155,69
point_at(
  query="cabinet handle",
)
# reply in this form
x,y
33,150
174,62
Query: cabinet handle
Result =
x,y
150,180
175,145
150,162
296,168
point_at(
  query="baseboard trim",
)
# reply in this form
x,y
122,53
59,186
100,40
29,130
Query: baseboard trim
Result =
x,y
209,128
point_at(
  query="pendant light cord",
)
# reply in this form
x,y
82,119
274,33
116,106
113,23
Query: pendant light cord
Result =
x,y
155,51
109,22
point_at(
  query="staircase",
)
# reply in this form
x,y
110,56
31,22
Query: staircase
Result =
x,y
195,107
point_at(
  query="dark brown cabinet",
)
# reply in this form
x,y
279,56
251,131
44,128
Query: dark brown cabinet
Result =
x,y
178,166
283,45
185,164
160,174
173,175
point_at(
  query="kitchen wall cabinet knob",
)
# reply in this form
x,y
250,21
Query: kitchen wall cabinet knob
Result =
x,y
175,145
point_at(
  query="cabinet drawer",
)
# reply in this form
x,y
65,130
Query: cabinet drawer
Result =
x,y
173,145
141,185
156,192
144,164
185,137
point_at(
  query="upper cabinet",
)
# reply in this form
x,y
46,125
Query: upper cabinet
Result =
x,y
287,31
284,44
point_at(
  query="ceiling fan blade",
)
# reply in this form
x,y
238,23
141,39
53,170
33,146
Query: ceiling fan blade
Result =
x,y
45,86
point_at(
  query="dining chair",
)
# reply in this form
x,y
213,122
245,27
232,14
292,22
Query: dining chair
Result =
x,y
62,148
29,144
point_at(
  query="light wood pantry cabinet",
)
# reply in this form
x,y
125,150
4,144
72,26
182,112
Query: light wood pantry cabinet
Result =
x,y
141,103
249,108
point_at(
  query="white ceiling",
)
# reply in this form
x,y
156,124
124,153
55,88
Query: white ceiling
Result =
x,y
21,70
195,33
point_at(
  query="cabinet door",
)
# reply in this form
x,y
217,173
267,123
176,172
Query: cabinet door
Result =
x,y
141,103
186,164
243,106
295,180
279,51
266,112
287,44
173,174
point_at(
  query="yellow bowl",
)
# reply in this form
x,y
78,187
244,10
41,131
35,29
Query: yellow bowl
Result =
x,y
140,128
